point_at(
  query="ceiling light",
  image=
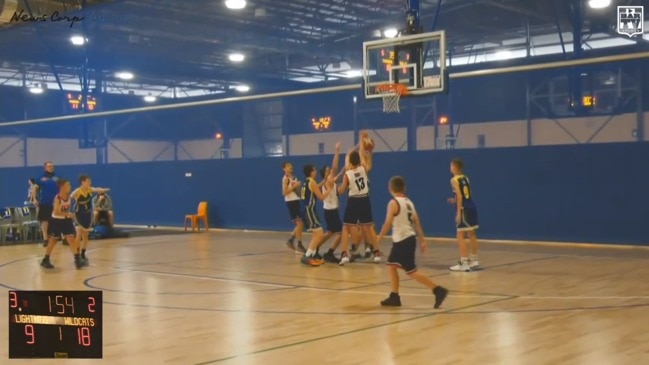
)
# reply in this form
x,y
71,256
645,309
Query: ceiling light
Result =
x,y
124,75
78,40
235,4
390,33
36,89
242,88
503,55
598,4
236,57
149,98
354,73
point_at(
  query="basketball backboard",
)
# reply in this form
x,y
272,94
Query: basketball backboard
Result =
x,y
417,61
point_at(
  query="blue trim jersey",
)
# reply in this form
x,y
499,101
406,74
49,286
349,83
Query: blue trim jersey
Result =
x,y
308,200
306,196
465,191
84,203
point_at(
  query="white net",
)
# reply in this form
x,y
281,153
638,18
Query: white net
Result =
x,y
391,98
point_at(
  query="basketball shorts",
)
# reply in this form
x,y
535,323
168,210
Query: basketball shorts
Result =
x,y
358,211
45,213
61,227
402,254
332,219
294,209
311,219
468,220
84,219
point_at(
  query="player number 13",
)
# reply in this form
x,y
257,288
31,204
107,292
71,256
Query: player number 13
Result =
x,y
360,183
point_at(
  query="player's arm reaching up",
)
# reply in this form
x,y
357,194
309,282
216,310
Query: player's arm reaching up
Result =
x,y
334,166
343,186
335,162
366,158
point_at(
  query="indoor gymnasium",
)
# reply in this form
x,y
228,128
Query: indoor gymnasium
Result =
x,y
262,182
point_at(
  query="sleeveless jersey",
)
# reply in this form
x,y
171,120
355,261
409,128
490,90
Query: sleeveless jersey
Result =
x,y
84,203
465,191
65,207
286,182
307,196
402,227
358,182
331,201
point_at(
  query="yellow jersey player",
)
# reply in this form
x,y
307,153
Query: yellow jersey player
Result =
x,y
309,194
466,217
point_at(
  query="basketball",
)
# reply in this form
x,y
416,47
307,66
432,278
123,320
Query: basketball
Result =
x,y
368,144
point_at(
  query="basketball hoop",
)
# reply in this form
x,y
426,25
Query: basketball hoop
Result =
x,y
391,94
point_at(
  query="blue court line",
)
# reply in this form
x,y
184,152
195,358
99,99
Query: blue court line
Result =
x,y
351,332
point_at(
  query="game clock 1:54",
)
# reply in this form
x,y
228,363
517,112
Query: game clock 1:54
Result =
x,y
55,324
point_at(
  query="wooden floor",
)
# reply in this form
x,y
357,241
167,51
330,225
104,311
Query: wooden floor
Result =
x,y
242,298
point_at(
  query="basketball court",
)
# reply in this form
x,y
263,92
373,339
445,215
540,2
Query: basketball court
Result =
x,y
240,298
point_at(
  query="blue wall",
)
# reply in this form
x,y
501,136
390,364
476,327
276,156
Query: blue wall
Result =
x,y
580,193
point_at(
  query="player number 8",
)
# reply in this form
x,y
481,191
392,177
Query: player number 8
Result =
x,y
465,191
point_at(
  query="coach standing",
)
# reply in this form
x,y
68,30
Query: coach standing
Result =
x,y
46,190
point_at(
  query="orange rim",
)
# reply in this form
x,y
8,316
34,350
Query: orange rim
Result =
x,y
396,88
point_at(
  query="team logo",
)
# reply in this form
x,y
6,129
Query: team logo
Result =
x,y
630,20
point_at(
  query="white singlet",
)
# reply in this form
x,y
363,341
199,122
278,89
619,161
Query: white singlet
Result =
x,y
331,201
65,208
286,182
402,227
358,182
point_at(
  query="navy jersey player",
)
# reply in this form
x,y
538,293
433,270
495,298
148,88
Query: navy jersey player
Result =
x,y
402,219
309,194
82,197
290,185
359,209
62,225
466,217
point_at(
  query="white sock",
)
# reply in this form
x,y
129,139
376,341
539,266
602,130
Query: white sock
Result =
x,y
474,257
310,252
464,260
